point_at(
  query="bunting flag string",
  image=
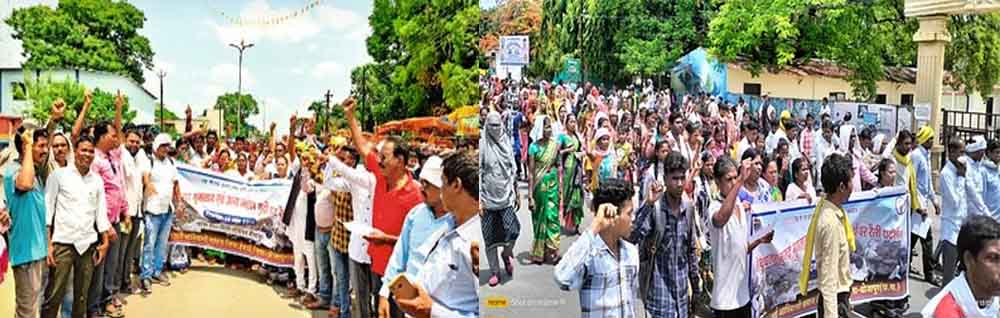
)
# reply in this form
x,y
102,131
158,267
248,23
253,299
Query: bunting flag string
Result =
x,y
270,20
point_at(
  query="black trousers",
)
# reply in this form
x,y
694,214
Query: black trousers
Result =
x,y
741,312
926,253
843,305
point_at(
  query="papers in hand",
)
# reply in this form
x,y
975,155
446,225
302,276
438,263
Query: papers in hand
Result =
x,y
759,233
358,228
919,225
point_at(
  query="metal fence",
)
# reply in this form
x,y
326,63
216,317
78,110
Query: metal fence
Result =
x,y
964,125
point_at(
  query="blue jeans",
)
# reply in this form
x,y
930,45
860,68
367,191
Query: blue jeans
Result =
x,y
341,265
154,247
322,250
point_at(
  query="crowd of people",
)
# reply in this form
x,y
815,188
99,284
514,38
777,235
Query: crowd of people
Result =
x,y
671,178
88,215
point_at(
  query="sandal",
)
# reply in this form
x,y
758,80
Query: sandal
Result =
x,y
494,280
509,263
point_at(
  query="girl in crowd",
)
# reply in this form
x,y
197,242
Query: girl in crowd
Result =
x,y
572,189
801,186
544,202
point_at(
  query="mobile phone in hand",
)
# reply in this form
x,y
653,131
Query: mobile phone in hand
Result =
x,y
402,288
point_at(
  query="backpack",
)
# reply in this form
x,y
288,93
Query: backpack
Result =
x,y
647,252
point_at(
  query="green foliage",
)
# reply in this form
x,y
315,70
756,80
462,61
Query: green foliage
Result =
x,y
974,53
230,104
378,101
167,114
87,34
414,40
618,39
43,92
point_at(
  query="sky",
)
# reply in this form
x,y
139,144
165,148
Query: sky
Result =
x,y
290,65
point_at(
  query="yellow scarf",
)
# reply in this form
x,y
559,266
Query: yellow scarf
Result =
x,y
912,180
810,241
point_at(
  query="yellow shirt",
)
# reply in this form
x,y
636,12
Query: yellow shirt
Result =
x,y
833,257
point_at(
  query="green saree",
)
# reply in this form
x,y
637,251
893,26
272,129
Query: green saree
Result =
x,y
545,216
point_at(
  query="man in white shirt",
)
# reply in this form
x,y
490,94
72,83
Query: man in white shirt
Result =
x,y
729,232
76,213
975,152
161,191
136,164
362,187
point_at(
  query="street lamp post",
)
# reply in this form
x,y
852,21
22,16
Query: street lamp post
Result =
x,y
239,86
161,74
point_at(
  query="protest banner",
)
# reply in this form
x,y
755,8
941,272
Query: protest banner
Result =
x,y
232,215
879,266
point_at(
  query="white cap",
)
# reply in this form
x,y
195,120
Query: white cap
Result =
x,y
979,143
161,139
432,171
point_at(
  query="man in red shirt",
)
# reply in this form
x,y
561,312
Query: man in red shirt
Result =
x,y
396,193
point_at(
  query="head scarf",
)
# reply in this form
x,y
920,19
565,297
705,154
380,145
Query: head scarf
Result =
x,y
69,154
496,151
538,130
846,131
925,133
979,143
597,137
877,143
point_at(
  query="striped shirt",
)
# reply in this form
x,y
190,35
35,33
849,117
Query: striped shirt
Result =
x,y
608,285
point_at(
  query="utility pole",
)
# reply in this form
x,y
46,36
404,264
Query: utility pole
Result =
x,y
161,74
329,111
239,86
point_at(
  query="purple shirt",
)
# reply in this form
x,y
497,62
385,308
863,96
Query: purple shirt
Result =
x,y
111,169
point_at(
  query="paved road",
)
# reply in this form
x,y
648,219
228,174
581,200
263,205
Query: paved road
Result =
x,y
533,292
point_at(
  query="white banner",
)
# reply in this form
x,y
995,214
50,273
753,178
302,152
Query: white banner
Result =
x,y
880,265
514,50
250,210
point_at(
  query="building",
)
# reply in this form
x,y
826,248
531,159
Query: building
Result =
x,y
210,119
140,99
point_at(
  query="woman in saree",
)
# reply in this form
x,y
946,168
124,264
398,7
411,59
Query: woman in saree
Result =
x,y
571,196
544,183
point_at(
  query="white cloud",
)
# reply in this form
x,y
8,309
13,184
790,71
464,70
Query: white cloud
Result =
x,y
328,70
152,83
278,111
227,75
298,70
340,19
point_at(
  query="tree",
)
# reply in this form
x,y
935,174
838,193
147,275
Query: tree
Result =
x,y
44,91
230,104
167,114
100,35
371,85
974,53
430,48
618,39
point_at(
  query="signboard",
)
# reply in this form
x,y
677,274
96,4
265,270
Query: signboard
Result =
x,y
514,50
879,265
232,215
922,113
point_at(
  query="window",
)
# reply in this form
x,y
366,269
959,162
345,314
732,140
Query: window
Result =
x,y
880,99
20,91
838,96
751,89
906,99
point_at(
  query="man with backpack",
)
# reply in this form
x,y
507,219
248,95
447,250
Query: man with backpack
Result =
x,y
665,227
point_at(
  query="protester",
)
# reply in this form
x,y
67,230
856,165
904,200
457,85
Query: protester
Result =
x,y
991,178
499,197
603,251
801,186
673,262
922,165
544,200
831,238
447,285
25,197
162,190
136,163
954,207
76,203
395,192
976,291
975,151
